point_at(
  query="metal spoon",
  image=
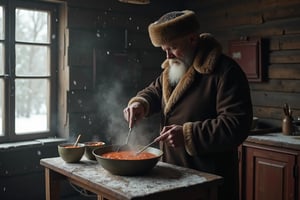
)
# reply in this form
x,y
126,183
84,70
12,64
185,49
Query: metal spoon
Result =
x,y
145,147
127,139
128,135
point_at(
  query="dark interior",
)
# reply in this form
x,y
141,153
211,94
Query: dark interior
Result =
x,y
109,57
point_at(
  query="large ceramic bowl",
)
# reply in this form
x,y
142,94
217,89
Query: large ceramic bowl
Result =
x,y
126,167
70,153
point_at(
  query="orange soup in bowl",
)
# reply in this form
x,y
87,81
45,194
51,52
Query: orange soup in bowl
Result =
x,y
71,147
128,155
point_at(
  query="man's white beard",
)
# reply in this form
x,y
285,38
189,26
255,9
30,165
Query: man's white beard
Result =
x,y
176,71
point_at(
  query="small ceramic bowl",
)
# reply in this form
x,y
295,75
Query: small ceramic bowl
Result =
x,y
89,147
70,153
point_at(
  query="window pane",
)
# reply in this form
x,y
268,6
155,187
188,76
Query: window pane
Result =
x,y
32,60
1,23
32,26
1,59
1,107
32,105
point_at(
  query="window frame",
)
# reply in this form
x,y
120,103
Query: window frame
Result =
x,y
9,68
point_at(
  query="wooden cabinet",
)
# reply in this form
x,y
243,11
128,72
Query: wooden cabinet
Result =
x,y
268,172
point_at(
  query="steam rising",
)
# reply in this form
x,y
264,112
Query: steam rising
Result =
x,y
112,100
118,79
110,108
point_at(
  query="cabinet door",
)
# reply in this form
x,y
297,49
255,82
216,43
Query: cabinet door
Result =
x,y
269,175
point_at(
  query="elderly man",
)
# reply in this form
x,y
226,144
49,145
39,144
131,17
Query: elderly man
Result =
x,y
203,97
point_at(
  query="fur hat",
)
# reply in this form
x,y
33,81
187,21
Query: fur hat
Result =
x,y
172,26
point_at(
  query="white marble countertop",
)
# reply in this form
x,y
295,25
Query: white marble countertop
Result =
x,y
163,177
277,140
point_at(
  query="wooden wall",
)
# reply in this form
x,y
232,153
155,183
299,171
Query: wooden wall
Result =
x,y
110,57
277,23
109,49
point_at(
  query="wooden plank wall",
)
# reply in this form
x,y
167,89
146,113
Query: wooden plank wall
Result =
x,y
104,34
276,22
109,49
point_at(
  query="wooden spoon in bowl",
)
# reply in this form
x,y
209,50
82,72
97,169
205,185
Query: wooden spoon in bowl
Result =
x,y
77,140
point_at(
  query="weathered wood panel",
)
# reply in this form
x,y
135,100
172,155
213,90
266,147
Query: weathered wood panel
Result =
x,y
275,113
284,71
139,40
104,13
81,101
277,22
82,38
80,56
93,19
81,79
285,11
155,8
278,85
292,57
290,42
268,10
88,125
275,99
270,112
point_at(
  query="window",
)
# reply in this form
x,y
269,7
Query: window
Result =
x,y
28,61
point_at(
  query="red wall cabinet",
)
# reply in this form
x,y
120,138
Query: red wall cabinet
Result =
x,y
248,54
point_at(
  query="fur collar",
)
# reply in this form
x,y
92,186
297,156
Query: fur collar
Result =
x,y
204,63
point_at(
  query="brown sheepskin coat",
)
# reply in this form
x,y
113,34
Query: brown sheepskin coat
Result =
x,y
213,104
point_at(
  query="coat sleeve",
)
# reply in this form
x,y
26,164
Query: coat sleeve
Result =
x,y
233,121
150,97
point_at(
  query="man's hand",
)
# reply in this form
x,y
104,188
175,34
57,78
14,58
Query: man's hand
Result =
x,y
134,113
172,135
